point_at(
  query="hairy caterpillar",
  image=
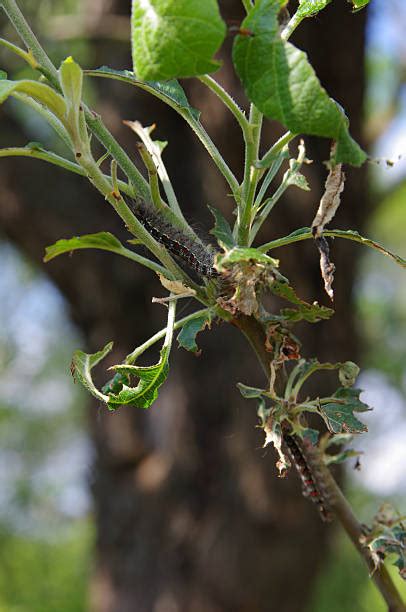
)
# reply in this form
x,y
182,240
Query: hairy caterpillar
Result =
x,y
198,256
310,488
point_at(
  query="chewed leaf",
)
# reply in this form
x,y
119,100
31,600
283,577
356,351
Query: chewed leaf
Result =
x,y
115,384
387,538
187,336
146,391
282,84
82,365
222,230
304,311
347,372
175,38
298,180
338,411
101,240
250,392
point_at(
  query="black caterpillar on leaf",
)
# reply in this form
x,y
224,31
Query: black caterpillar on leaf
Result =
x,y
188,248
310,488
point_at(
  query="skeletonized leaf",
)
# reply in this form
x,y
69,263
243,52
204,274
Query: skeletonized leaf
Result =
x,y
273,435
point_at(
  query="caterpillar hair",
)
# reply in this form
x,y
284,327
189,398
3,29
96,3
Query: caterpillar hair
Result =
x,y
309,486
188,248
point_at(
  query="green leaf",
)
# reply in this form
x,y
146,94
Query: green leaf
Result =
x,y
222,230
82,365
304,311
338,411
359,4
38,91
187,336
282,84
309,8
104,241
353,235
175,38
146,391
71,78
169,92
305,233
101,240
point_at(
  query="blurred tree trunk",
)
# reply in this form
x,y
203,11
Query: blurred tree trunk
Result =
x,y
190,514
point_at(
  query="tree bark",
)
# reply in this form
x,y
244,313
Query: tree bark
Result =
x,y
189,512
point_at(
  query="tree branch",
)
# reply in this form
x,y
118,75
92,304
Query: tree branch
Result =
x,y
255,334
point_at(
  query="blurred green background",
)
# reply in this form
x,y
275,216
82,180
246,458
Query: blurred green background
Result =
x,y
46,531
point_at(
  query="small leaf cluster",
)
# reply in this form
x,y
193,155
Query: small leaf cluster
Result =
x,y
279,413
386,538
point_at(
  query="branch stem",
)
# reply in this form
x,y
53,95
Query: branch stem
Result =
x,y
251,177
227,100
255,334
